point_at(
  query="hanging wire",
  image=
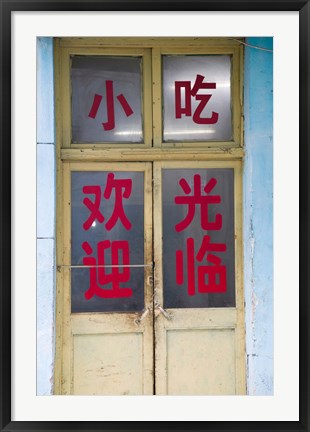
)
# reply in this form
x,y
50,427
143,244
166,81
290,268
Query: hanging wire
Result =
x,y
251,46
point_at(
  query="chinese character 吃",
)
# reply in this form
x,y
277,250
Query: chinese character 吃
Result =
x,y
190,92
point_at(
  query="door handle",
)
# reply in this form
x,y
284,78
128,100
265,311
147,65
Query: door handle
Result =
x,y
167,315
143,315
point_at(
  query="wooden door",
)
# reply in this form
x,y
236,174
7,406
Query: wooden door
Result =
x,y
198,335
105,347
199,316
184,332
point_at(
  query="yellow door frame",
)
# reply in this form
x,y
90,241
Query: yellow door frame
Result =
x,y
153,149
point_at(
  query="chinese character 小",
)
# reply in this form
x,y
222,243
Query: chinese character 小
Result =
x,y
110,123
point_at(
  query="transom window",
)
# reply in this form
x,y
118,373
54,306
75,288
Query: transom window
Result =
x,y
151,97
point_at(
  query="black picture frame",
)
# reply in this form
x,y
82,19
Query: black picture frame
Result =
x,y
7,7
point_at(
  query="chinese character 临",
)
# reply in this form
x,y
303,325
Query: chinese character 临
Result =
x,y
201,200
214,272
190,92
98,276
122,189
110,123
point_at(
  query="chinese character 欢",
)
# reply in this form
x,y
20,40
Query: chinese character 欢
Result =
x,y
92,206
122,189
193,92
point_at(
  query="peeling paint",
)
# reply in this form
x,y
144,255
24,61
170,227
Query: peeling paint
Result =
x,y
258,217
45,218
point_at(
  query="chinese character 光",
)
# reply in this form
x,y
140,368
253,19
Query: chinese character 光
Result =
x,y
198,199
193,92
110,123
98,275
216,273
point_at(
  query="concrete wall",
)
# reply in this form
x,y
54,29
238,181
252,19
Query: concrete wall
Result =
x,y
258,217
45,216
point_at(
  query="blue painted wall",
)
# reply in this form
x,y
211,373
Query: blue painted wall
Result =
x,y
258,216
45,216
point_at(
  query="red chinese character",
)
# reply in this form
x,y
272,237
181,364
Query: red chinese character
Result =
x,y
198,199
92,206
216,273
110,123
122,190
98,275
192,92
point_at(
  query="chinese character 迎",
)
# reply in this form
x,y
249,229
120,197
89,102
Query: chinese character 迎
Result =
x,y
98,276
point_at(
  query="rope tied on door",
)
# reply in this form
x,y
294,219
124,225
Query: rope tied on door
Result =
x,y
60,266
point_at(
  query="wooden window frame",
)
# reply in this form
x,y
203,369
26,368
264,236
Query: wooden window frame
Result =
x,y
153,148
236,95
64,89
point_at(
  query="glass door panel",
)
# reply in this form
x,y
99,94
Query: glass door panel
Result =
x,y
107,214
198,238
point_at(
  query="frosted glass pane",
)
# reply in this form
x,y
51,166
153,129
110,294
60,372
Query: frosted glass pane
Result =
x,y
197,98
198,238
106,99
107,217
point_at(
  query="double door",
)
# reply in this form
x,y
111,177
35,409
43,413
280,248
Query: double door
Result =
x,y
150,299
